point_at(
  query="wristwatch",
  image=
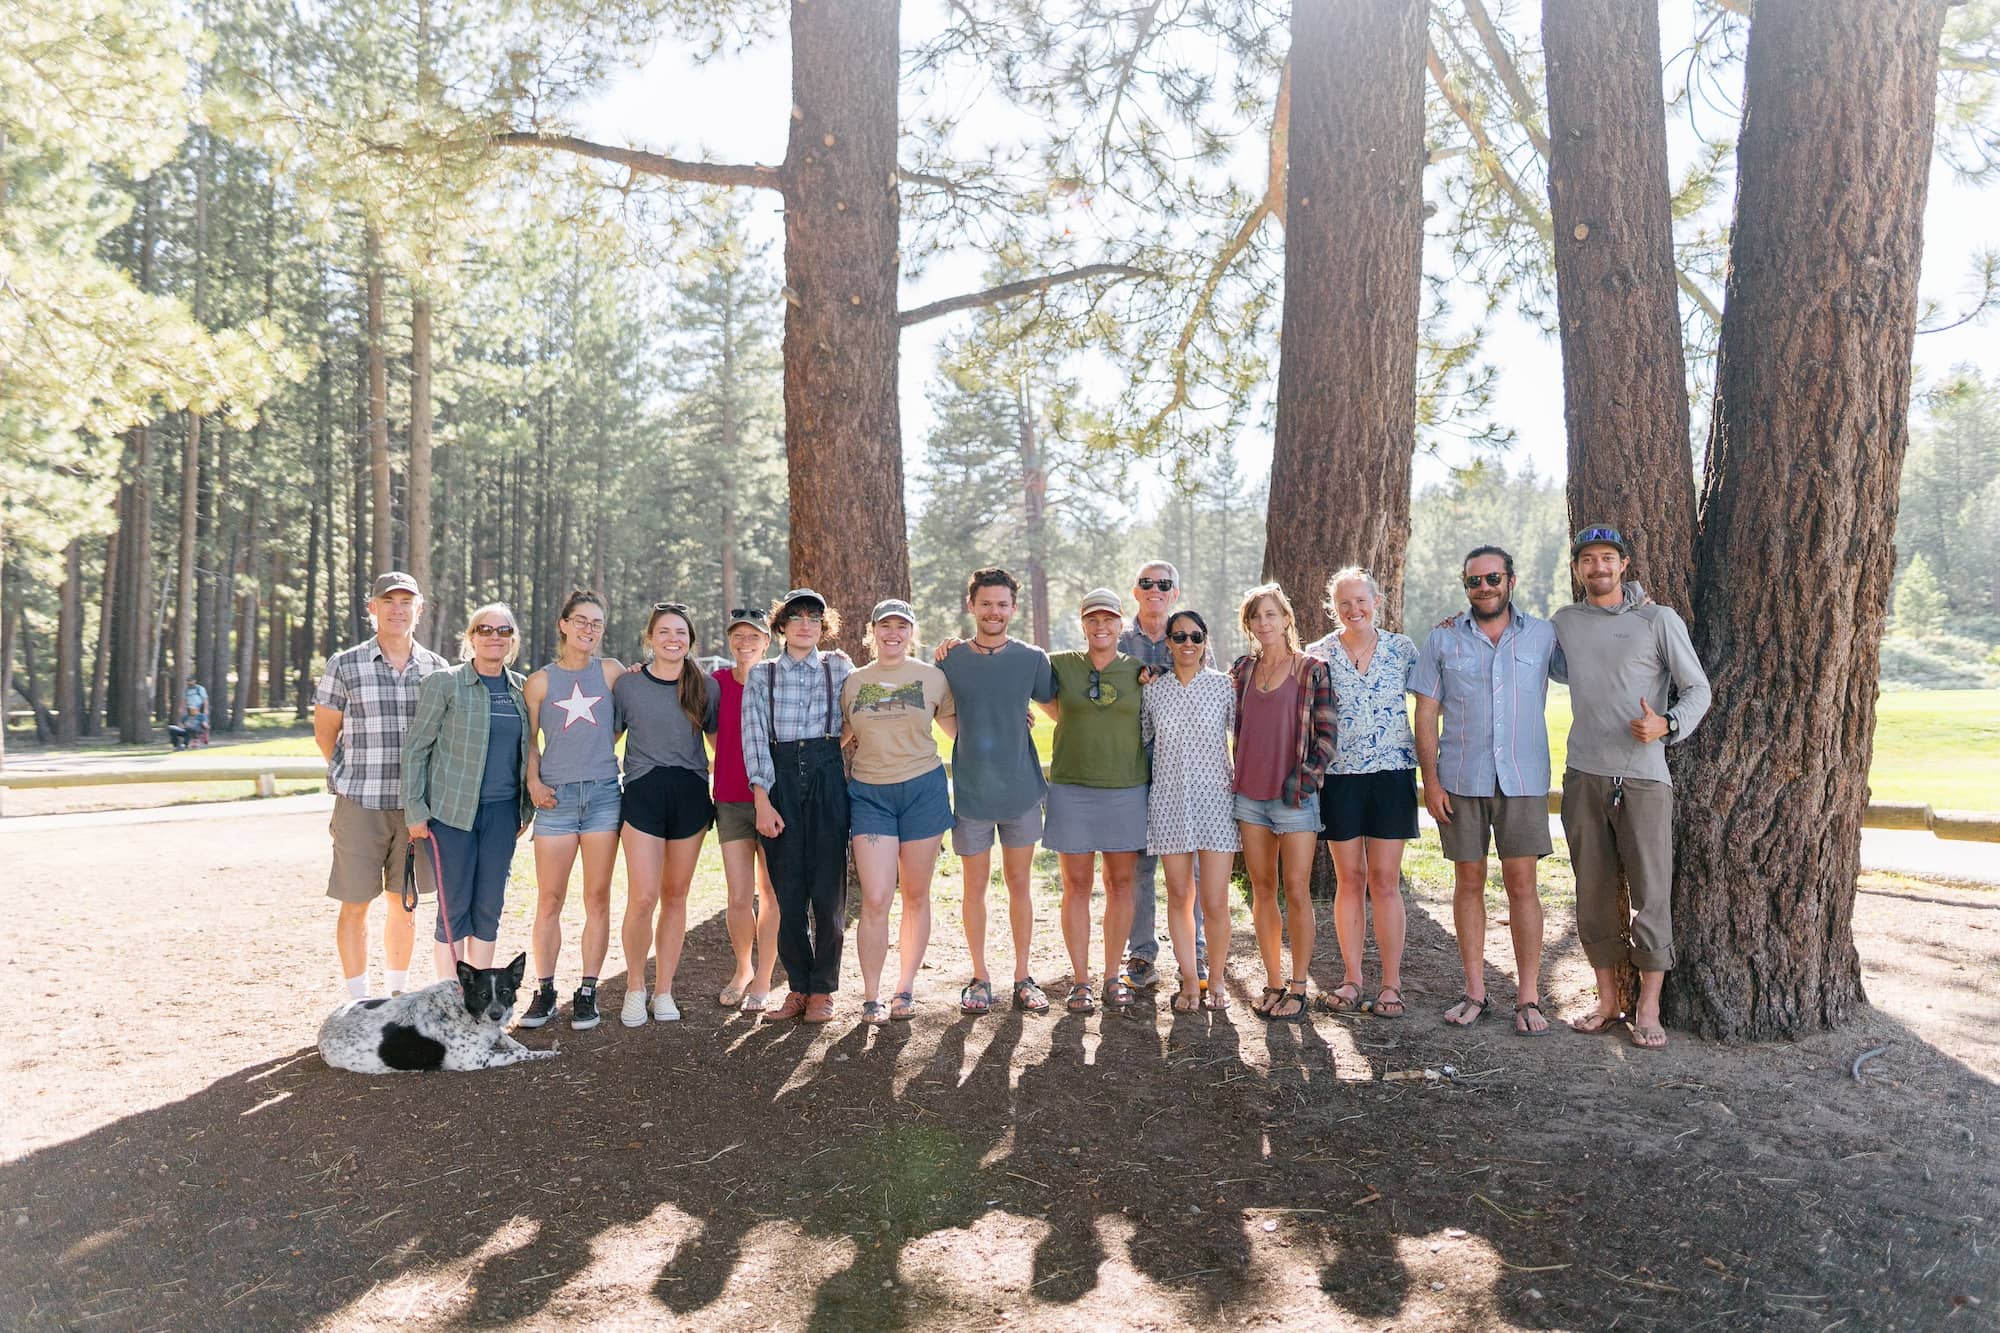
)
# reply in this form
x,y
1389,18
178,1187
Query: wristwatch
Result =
x,y
1673,727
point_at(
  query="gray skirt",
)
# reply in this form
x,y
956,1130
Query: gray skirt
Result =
x,y
1095,819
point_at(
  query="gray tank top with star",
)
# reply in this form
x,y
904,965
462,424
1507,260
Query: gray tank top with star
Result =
x,y
578,732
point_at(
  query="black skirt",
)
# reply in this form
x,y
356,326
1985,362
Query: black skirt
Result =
x,y
1368,805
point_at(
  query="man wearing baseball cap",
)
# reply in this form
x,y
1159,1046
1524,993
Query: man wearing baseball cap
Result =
x,y
366,698
1634,682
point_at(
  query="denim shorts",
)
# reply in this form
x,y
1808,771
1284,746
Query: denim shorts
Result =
x,y
906,811
1278,817
581,807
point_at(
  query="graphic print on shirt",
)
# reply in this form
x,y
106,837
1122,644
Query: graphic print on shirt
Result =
x,y
579,707
874,698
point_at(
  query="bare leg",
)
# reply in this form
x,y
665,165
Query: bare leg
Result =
x,y
1078,869
600,857
399,934
1120,871
739,873
1260,854
1385,873
1214,888
350,938
1468,918
1350,915
1179,871
553,858
767,927
645,860
1524,923
479,953
875,865
1295,858
1646,1029
1017,868
916,862
978,869
675,877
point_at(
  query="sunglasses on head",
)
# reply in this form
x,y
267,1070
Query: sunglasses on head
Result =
x,y
1188,636
678,608
1492,580
492,631
1164,585
746,613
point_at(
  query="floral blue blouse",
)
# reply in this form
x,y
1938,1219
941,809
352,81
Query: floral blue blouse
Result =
x,y
1374,719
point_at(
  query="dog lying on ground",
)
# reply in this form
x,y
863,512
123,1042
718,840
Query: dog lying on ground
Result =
x,y
445,1026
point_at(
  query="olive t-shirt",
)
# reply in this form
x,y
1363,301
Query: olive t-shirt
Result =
x,y
1097,740
889,710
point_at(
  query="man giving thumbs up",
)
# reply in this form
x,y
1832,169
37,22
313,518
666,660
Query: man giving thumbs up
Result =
x,y
1618,800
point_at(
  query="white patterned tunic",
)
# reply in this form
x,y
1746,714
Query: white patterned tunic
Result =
x,y
1373,715
1191,807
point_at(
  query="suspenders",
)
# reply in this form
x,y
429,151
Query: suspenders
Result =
x,y
771,693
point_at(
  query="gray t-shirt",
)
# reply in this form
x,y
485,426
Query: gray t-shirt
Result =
x,y
995,772
657,732
1611,658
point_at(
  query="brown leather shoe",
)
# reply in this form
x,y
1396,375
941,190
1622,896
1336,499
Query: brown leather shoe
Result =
x,y
819,1008
793,1007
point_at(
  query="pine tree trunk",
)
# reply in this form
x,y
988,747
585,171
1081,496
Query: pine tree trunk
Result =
x,y
1347,369
1034,513
69,646
135,689
1793,565
246,630
730,444
842,428
381,543
100,670
418,507
184,613
1624,381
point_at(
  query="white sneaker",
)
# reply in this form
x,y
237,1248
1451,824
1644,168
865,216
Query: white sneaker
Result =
x,y
633,1015
664,1008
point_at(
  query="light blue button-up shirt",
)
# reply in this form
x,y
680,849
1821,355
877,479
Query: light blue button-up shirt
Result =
x,y
1492,696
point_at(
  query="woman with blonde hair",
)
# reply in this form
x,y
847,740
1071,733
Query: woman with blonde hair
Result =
x,y
1368,805
663,709
1284,742
465,760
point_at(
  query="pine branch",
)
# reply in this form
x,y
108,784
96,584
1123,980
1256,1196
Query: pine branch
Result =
x,y
1535,215
1008,291
1525,109
752,175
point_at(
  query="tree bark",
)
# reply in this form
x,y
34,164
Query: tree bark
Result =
x,y
246,631
1347,369
100,670
1034,515
135,689
842,428
69,646
1792,568
382,535
1625,396
418,484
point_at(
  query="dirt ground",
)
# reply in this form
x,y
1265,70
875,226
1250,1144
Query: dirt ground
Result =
x,y
173,1153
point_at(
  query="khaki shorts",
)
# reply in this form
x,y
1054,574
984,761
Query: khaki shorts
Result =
x,y
735,821
368,847
1519,826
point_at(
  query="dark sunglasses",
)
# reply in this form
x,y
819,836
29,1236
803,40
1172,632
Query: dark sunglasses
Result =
x,y
1493,580
1164,585
1096,691
744,613
1188,636
492,631
678,608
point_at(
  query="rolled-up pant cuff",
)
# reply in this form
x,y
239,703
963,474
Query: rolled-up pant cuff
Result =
x,y
1653,960
1607,953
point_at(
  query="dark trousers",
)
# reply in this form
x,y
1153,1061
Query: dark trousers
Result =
x,y
808,862
475,862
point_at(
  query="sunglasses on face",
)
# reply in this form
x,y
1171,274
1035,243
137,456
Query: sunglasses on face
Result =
x,y
492,631
1164,585
1188,636
1475,581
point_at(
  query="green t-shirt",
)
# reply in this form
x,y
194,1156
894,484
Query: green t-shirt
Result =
x,y
1097,740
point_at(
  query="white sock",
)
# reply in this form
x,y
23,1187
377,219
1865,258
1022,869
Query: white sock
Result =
x,y
398,981
358,986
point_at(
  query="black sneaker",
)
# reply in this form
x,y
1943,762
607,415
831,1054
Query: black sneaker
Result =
x,y
540,1009
583,1008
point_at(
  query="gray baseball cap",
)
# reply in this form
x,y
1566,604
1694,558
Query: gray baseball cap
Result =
x,y
892,606
1102,599
394,581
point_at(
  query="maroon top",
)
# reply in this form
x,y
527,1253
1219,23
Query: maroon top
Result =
x,y
1267,740
732,780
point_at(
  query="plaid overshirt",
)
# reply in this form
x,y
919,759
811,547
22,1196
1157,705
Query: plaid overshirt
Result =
x,y
376,703
1318,721
444,753
802,713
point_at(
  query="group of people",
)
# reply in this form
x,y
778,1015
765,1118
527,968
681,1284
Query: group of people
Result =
x,y
1161,764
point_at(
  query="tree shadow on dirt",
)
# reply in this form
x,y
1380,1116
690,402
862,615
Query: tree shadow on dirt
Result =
x,y
1149,1164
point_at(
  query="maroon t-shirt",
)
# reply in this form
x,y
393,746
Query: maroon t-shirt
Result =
x,y
1267,745
732,780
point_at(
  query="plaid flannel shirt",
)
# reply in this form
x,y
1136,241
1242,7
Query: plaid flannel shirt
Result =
x,y
444,753
376,703
1318,720
802,686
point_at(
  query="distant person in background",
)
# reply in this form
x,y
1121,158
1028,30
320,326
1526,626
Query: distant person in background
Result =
x,y
996,778
1190,712
1635,687
752,911
192,727
573,778
366,699
1156,588
1482,683
791,750
899,803
664,709
465,759
1368,805
1284,743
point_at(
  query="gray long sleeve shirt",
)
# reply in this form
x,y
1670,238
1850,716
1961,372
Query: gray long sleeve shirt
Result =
x,y
1611,658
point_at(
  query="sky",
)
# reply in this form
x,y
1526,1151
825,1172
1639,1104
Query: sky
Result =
x,y
734,109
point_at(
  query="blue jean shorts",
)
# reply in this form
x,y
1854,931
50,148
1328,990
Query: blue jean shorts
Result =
x,y
581,807
906,811
1278,817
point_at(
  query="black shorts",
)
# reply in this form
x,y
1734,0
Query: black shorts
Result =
x,y
1368,805
670,803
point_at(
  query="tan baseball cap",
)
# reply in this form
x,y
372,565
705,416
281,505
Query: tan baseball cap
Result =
x,y
1102,599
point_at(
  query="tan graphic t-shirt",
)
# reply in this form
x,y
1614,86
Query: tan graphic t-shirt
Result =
x,y
889,710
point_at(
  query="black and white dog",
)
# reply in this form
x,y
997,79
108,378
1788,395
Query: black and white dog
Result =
x,y
445,1026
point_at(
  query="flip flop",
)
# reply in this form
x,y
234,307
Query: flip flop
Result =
x,y
1337,1003
1374,1006
1649,1039
1261,1006
1590,1025
730,996
1520,1009
874,1013
1479,1011
754,1003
